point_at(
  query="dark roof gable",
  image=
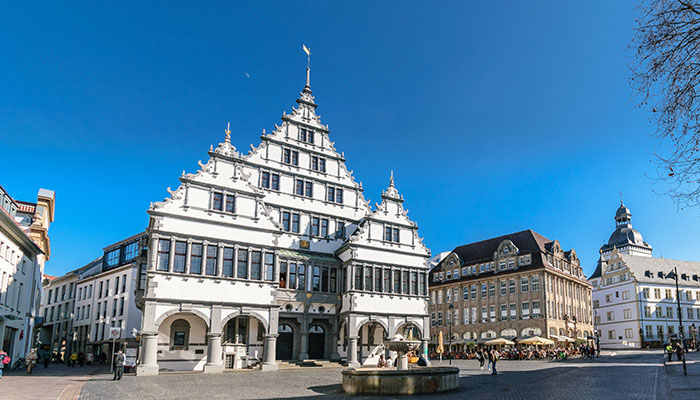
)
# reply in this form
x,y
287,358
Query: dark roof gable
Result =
x,y
528,242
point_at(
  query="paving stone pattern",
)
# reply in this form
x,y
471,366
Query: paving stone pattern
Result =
x,y
632,375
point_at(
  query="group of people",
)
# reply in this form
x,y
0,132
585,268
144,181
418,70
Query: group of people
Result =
x,y
553,353
387,362
32,357
491,356
678,349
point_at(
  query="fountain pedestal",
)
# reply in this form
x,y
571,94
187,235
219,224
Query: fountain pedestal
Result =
x,y
401,380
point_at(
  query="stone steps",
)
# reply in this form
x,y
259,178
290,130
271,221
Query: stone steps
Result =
x,y
308,364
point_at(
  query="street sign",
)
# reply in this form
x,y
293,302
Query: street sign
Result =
x,y
130,355
114,333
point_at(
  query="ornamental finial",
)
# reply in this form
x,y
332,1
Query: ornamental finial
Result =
x,y
228,132
391,179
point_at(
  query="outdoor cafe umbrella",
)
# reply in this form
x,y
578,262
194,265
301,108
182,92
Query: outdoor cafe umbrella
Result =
x,y
536,340
498,342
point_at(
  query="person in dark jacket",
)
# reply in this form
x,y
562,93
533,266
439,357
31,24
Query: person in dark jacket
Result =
x,y
119,360
494,361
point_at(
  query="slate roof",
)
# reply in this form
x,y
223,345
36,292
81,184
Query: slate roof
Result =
x,y
528,242
646,269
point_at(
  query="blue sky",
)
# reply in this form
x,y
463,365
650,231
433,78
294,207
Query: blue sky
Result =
x,y
495,116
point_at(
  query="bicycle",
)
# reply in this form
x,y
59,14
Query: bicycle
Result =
x,y
20,363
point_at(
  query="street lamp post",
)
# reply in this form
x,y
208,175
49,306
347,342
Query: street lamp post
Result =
x,y
680,317
449,327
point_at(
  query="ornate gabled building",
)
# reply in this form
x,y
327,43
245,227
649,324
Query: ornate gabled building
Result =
x,y
276,255
634,294
512,286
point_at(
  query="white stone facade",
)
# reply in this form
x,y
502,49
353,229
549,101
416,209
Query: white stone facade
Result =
x,y
276,254
24,249
634,297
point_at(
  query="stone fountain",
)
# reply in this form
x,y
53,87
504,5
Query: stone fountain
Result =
x,y
402,347
401,380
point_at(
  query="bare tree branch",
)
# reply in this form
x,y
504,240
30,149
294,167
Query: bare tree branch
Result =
x,y
666,79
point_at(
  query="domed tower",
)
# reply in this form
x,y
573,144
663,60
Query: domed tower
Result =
x,y
625,239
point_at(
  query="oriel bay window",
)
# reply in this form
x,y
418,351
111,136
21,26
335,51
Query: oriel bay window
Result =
x,y
163,254
283,275
316,278
414,283
397,281
196,258
301,277
211,260
368,278
377,280
178,261
358,277
404,286
334,280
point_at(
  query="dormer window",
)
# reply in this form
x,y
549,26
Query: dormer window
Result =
x,y
505,251
270,180
391,234
306,135
334,194
223,202
290,157
318,163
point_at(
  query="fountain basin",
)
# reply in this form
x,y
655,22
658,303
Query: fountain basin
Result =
x,y
389,381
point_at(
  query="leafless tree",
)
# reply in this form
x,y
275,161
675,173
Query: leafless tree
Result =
x,y
666,75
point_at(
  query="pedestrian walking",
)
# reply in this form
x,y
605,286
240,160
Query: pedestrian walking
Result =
x,y
73,359
480,357
46,359
494,361
103,357
489,358
81,359
679,351
31,358
4,360
669,351
119,359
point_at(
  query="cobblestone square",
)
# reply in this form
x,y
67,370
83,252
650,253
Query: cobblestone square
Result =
x,y
632,375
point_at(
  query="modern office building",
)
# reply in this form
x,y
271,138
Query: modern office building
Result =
x,y
513,286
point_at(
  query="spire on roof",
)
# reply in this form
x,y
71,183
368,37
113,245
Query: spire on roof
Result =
x,y
391,192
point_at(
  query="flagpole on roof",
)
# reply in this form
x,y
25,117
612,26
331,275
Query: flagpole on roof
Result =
x,y
308,64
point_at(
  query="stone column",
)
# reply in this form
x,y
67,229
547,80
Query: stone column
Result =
x,y
424,349
352,352
149,354
304,349
270,350
214,362
334,344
